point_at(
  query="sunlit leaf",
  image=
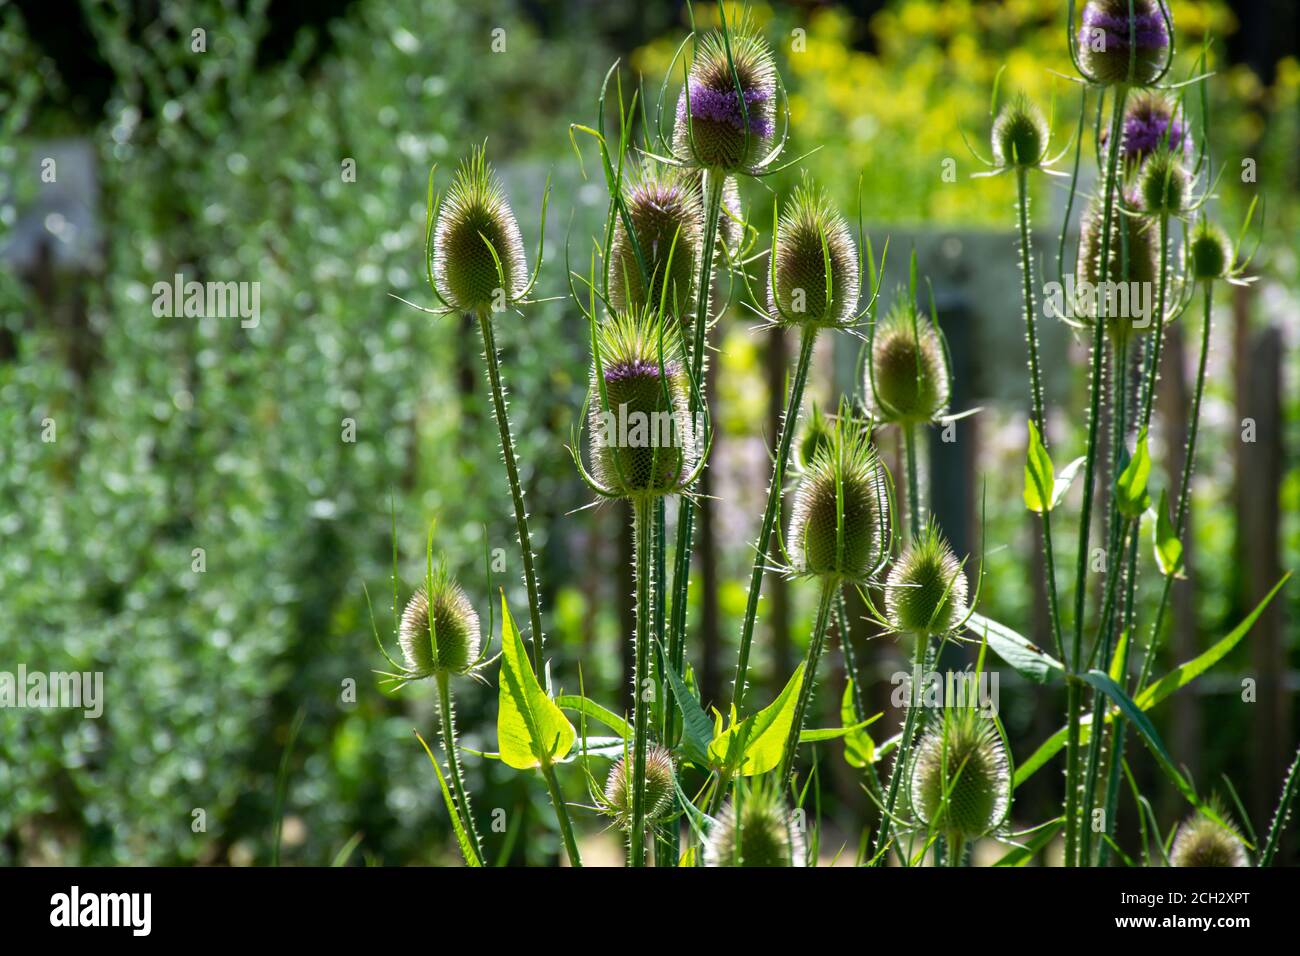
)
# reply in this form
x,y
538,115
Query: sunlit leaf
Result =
x,y
529,724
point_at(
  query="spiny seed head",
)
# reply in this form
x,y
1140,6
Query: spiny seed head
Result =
x,y
454,629
659,777
907,380
474,210
1109,37
711,130
961,780
839,523
762,833
1123,314
1163,185
643,443
810,234
664,207
1020,134
1208,253
1202,841
1151,122
926,589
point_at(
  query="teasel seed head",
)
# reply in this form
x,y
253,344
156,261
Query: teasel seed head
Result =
x,y
816,435
810,233
1104,47
907,378
664,207
1164,188
1202,841
711,130
839,525
926,589
659,787
644,444
1020,134
1208,254
476,209
455,629
963,760
1151,122
762,833
1143,266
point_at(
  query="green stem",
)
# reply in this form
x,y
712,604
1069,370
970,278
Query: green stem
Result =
x,y
666,838
642,513
904,744
809,678
789,422
443,680
516,489
913,481
860,711
561,811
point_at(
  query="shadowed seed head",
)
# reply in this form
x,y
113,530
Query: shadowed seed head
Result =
x,y
762,833
454,628
644,444
662,204
926,589
961,780
1202,841
808,235
1123,312
1208,254
711,130
1109,37
908,368
1163,185
659,788
839,523
474,210
1019,134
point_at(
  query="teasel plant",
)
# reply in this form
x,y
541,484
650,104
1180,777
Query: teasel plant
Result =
x,y
756,829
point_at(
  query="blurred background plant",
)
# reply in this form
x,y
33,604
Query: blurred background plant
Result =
x,y
275,449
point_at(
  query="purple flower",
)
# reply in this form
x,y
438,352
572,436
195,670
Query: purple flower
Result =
x,y
637,368
722,106
1148,28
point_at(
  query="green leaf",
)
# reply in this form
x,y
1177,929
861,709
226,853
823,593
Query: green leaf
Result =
x,y
759,740
859,748
1023,854
1169,550
1039,482
462,837
1065,479
530,726
697,731
595,711
1131,495
1119,660
1018,651
834,733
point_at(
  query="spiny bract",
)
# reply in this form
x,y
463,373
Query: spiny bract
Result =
x,y
1208,254
455,629
1123,309
475,213
763,833
808,235
907,378
1202,841
643,443
711,130
842,489
1104,41
667,220
926,589
1019,134
659,788
961,780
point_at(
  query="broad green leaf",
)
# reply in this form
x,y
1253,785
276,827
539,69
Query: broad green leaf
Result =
x,y
834,733
1131,495
1169,550
697,732
595,711
462,837
859,748
1039,481
529,724
760,739
1023,854
1018,651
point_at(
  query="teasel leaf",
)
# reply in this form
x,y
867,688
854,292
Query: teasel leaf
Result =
x,y
859,748
530,726
697,730
835,733
589,708
1043,835
1038,474
1119,660
755,745
1169,549
1015,649
462,837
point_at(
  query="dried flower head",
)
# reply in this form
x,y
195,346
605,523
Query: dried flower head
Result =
x,y
659,788
926,589
1203,841
474,215
665,210
439,630
810,236
961,779
907,373
761,833
1208,253
1110,38
1020,134
1123,312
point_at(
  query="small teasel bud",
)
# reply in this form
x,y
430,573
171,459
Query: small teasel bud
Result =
x,y
1143,235
816,436
659,787
474,210
1203,841
1163,185
1020,134
961,779
644,442
711,130
839,523
926,589
1104,41
1151,121
1208,254
907,379
664,207
454,628
810,233
762,832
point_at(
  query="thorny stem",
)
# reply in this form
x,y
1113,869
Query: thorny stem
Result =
x,y
516,490
809,678
453,761
666,839
643,511
561,811
913,482
904,744
789,422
